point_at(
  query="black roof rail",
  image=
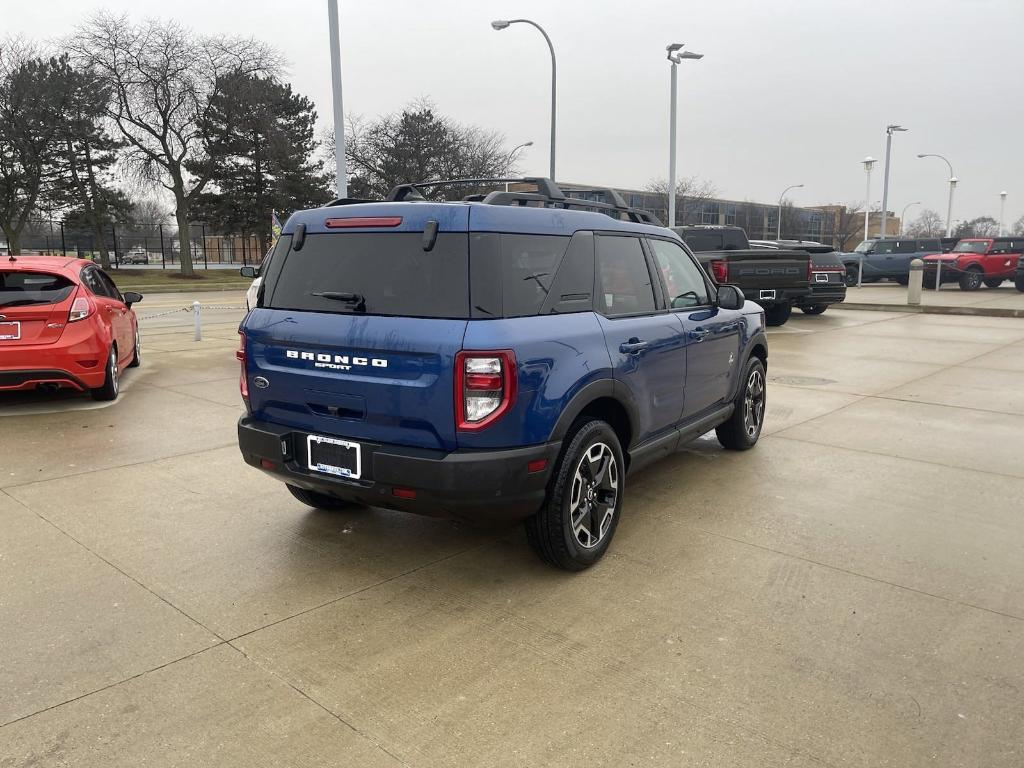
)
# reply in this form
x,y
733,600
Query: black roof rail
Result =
x,y
547,193
349,201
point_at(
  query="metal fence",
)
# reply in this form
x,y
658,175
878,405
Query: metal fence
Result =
x,y
153,247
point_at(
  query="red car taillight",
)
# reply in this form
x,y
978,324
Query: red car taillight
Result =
x,y
719,270
485,387
80,309
243,381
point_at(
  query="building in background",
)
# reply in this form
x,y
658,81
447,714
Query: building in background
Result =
x,y
834,225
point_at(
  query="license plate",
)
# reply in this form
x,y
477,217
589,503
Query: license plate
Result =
x,y
10,331
821,277
334,457
767,294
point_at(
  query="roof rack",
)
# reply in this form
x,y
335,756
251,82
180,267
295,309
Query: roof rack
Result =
x,y
349,201
547,195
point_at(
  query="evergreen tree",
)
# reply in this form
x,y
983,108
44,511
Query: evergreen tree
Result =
x,y
263,156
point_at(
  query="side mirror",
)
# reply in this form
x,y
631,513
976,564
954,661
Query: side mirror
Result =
x,y
250,272
730,297
131,297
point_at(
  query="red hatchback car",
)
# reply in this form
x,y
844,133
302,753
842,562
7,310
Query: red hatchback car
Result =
x,y
63,323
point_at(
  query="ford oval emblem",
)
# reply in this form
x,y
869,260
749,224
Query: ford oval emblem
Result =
x,y
260,382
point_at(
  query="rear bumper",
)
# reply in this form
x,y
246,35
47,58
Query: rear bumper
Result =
x,y
825,294
481,486
11,380
76,360
768,297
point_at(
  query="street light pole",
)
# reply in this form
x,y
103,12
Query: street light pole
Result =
x,y
778,234
340,172
952,186
500,24
511,157
889,131
675,55
1002,211
869,163
903,216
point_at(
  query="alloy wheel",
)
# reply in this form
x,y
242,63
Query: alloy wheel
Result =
x,y
753,404
595,493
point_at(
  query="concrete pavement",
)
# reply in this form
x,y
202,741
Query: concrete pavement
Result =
x,y
846,594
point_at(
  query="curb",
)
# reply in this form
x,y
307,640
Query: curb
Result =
x,y
185,288
935,310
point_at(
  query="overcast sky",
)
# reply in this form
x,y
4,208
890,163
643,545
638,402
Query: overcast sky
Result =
x,y
789,91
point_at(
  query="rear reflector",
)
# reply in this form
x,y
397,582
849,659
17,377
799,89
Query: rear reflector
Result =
x,y
537,465
363,221
267,464
403,493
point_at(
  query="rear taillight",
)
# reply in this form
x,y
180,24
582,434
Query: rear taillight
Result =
x,y
719,270
80,309
810,271
243,380
485,387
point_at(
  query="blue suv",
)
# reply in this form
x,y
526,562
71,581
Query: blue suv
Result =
x,y
510,356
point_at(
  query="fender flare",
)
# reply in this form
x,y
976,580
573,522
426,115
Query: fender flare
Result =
x,y
589,393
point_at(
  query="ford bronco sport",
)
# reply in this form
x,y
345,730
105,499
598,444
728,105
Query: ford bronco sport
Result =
x,y
505,357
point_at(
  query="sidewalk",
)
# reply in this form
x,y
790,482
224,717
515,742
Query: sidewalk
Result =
x,y
1005,301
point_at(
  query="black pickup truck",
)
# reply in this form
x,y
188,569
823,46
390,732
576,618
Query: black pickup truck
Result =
x,y
774,278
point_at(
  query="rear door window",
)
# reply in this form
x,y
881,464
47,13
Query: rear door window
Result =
x,y
376,274
624,282
27,288
906,246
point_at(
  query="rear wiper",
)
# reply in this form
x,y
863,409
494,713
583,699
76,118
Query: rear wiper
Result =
x,y
357,300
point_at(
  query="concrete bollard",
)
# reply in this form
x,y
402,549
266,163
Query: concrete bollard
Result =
x,y
916,280
198,321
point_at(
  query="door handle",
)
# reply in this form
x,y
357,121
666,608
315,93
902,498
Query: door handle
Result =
x,y
632,347
698,334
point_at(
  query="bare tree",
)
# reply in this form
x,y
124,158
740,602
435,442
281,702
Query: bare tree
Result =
x,y
161,77
691,193
1018,226
928,224
983,226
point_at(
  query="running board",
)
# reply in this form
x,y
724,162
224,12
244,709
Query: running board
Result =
x,y
667,444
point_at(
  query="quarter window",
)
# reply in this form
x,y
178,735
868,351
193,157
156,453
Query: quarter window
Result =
x,y
624,283
684,280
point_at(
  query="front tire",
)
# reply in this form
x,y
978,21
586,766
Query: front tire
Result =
x,y
112,381
318,500
741,431
970,280
1019,283
778,314
575,526
851,276
814,309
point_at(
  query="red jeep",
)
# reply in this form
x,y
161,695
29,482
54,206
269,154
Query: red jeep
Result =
x,y
976,260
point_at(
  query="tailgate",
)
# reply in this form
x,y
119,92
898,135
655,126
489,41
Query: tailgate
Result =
x,y
34,307
768,269
380,379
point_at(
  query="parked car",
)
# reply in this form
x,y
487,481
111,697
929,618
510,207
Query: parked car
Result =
x,y
828,273
774,278
63,323
253,291
136,256
512,358
975,261
1018,276
889,257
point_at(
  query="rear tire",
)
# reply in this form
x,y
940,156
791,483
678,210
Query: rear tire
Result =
x,y
318,500
778,314
575,526
112,383
971,279
814,309
743,428
993,282
137,355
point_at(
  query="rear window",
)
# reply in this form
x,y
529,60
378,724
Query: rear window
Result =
x,y
381,273
703,241
23,288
